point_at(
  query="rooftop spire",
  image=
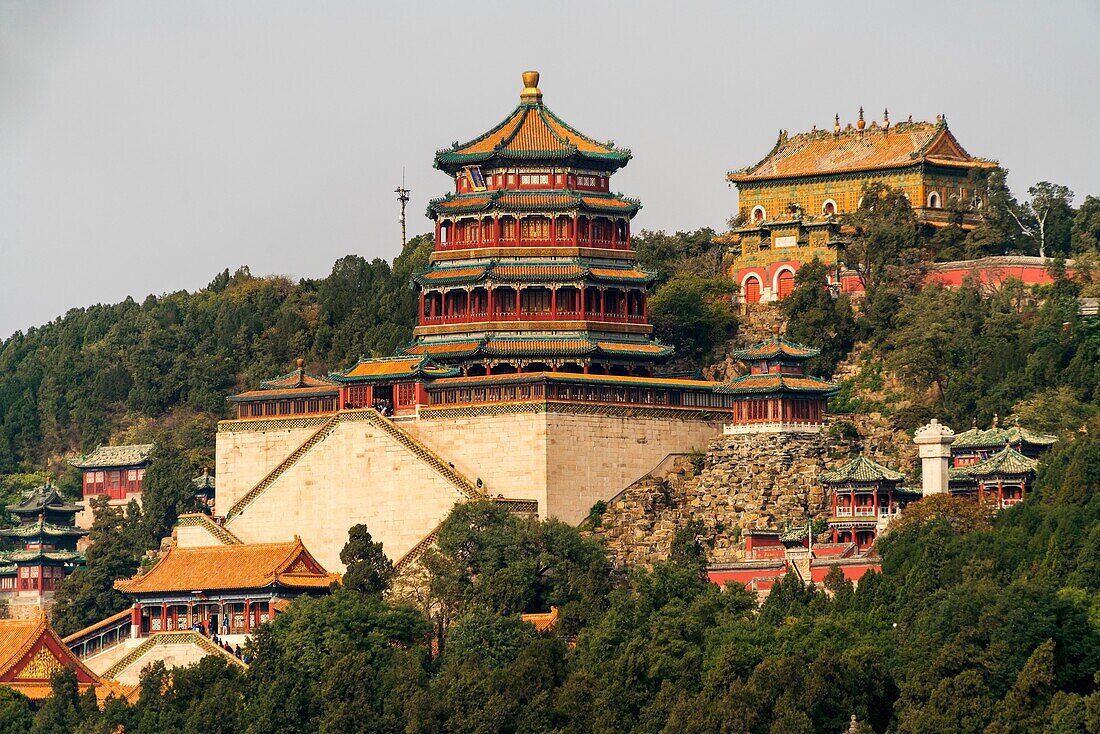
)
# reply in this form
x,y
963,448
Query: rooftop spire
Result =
x,y
861,123
531,91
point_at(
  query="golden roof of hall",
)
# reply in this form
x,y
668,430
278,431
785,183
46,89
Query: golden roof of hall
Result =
x,y
852,149
239,566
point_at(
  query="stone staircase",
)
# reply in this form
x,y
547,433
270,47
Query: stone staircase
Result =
x,y
413,446
319,435
166,638
422,452
223,535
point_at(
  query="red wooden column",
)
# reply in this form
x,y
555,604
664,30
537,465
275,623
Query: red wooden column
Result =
x,y
614,233
1000,493
490,290
517,301
853,500
517,230
584,308
422,314
247,616
874,499
553,230
554,303
576,230
498,232
135,620
603,303
163,616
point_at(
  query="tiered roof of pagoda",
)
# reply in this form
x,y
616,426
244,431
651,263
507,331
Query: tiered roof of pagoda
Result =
x,y
778,382
534,201
531,134
43,500
778,351
534,271
776,348
41,530
860,148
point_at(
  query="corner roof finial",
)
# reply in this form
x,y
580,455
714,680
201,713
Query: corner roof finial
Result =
x,y
531,91
300,362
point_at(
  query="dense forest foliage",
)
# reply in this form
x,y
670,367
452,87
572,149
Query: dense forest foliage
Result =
x,y
976,625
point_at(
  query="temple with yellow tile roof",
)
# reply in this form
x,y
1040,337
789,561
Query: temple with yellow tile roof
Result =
x,y
791,202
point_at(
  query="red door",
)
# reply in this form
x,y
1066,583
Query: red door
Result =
x,y
786,283
752,290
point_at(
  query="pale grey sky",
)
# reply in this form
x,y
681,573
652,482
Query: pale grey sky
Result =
x,y
147,145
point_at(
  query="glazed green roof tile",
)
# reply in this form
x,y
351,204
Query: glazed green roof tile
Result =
x,y
775,347
977,438
106,457
8,569
523,271
506,201
27,556
860,469
778,383
295,379
43,529
532,133
44,499
203,481
1007,461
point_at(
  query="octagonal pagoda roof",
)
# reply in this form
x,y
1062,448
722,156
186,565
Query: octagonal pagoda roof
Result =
x,y
531,133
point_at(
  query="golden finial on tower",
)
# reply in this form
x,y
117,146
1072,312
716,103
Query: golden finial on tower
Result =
x,y
300,362
861,123
836,124
886,119
531,91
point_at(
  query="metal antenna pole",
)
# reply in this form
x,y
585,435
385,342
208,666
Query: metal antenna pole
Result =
x,y
403,199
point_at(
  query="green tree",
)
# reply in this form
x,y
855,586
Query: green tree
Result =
x,y
815,316
1085,231
369,570
88,594
15,712
1047,218
694,315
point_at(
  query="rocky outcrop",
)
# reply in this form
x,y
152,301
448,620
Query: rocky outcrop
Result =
x,y
745,482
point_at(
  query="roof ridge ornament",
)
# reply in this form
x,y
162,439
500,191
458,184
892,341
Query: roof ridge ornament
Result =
x,y
531,91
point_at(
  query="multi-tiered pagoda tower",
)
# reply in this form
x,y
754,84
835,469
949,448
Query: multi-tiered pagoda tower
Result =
x,y
532,269
46,553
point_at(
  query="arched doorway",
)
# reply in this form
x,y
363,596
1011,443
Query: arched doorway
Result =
x,y
752,289
784,284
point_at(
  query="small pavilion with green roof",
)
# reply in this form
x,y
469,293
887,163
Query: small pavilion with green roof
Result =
x,y
977,444
1004,478
865,496
776,394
